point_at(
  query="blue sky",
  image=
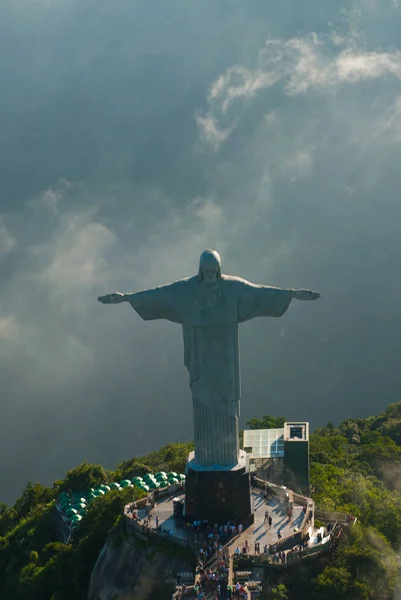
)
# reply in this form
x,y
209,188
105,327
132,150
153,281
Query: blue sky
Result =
x,y
136,134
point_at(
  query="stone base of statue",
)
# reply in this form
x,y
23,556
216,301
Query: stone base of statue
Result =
x,y
218,494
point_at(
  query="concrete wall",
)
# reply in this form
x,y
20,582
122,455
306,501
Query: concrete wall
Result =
x,y
136,529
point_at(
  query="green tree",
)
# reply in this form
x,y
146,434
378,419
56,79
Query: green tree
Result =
x,y
172,457
364,568
35,494
267,422
392,429
333,583
371,561
393,411
8,520
83,477
280,592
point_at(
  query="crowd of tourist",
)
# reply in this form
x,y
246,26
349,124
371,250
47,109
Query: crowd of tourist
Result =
x,y
198,530
212,575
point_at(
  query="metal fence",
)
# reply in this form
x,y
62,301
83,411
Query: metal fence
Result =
x,y
312,551
330,516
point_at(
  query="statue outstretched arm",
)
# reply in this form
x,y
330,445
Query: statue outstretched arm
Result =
x,y
266,301
114,298
156,303
305,295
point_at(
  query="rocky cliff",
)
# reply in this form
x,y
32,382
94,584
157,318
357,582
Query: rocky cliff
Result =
x,y
137,568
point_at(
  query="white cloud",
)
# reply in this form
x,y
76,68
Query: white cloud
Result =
x,y
301,64
351,66
78,261
389,125
56,286
239,82
51,199
311,66
7,242
300,162
202,225
208,211
10,329
210,131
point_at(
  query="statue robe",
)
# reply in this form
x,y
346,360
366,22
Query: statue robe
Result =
x,y
209,315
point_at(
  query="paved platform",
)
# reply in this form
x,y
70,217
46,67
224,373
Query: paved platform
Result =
x,y
260,531
164,510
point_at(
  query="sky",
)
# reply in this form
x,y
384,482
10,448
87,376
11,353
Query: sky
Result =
x,y
135,134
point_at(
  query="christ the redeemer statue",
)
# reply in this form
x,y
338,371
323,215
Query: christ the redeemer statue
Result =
x,y
209,306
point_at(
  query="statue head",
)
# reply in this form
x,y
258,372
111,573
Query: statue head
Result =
x,y
209,267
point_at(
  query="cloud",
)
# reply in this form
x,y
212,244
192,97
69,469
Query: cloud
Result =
x,y
239,82
54,283
311,66
10,330
78,257
299,163
7,242
201,225
209,211
302,64
210,131
388,127
351,66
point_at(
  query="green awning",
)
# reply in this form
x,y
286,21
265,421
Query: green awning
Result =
x,y
76,518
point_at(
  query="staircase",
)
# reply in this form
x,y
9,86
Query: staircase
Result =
x,y
212,565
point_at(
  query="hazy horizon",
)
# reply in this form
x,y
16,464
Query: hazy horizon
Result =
x,y
133,136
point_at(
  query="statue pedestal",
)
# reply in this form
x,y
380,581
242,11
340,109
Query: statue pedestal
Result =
x,y
218,494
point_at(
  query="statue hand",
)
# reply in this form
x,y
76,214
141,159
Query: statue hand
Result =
x,y
306,295
114,298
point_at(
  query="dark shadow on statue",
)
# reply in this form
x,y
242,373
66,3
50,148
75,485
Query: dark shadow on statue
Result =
x,y
218,496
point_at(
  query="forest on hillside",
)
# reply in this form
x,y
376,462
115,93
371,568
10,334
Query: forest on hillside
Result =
x,y
355,468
